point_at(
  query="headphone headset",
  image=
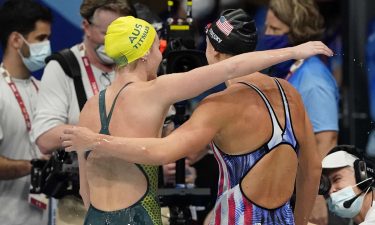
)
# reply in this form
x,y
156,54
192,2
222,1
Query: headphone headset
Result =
x,y
359,166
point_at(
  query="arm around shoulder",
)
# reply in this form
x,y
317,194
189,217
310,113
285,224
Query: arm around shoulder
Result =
x,y
180,86
191,137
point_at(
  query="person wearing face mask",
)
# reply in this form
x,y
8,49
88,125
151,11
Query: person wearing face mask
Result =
x,y
25,27
351,192
288,23
58,101
38,53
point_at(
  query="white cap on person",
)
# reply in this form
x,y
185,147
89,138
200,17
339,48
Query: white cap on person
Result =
x,y
338,159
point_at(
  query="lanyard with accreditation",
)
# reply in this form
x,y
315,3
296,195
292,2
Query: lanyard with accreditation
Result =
x,y
17,95
90,73
38,200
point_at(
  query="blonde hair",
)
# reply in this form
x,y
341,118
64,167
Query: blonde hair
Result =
x,y
301,16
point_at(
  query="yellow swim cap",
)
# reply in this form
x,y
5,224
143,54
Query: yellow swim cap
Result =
x,y
128,39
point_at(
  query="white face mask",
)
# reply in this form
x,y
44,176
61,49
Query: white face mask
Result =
x,y
104,58
337,199
38,53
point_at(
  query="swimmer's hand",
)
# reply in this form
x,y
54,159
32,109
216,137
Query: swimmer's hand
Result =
x,y
310,48
78,139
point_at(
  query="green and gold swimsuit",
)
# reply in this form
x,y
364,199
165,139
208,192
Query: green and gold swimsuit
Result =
x,y
146,211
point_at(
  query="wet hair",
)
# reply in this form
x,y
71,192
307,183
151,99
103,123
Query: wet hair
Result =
x,y
121,7
233,33
21,16
302,17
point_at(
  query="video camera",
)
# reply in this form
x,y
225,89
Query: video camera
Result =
x,y
181,55
56,177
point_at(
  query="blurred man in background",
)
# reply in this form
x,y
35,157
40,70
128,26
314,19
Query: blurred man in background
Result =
x,y
24,36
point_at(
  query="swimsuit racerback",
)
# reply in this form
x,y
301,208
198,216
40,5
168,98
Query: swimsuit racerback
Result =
x,y
232,206
146,211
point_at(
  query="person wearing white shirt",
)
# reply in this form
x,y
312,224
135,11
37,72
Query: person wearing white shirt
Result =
x,y
25,30
351,191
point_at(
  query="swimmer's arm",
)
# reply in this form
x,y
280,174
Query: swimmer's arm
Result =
x,y
180,86
308,175
190,138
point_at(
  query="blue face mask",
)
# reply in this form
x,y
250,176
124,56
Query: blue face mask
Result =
x,y
337,199
38,53
269,42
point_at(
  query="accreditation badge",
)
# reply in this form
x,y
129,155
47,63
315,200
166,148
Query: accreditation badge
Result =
x,y
38,200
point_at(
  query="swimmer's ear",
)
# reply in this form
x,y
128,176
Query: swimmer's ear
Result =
x,y
216,54
144,58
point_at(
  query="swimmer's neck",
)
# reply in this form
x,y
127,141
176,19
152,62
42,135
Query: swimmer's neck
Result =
x,y
246,78
137,74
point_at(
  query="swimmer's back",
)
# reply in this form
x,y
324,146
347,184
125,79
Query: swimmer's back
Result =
x,y
248,126
133,116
